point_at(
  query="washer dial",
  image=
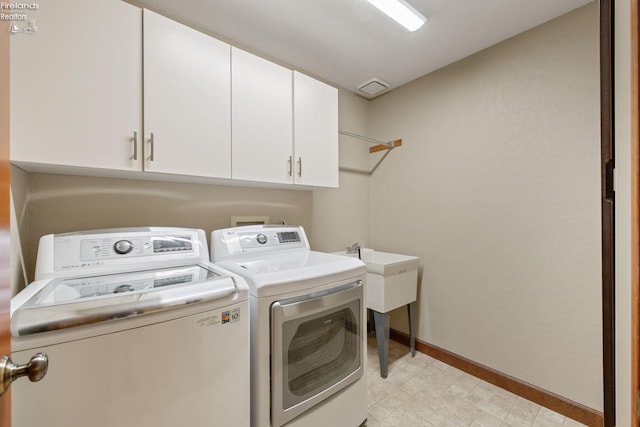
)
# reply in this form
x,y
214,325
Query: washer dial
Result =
x,y
261,238
123,247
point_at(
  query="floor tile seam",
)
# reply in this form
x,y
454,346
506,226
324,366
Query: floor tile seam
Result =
x,y
493,404
517,416
500,417
501,421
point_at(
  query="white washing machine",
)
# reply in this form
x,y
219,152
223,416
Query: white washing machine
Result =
x,y
141,330
308,338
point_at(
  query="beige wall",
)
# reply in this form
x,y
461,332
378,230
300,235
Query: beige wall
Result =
x,y
61,203
496,188
623,301
341,216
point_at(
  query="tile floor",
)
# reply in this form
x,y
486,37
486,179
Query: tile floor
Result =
x,y
424,392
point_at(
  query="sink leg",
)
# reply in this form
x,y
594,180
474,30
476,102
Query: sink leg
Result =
x,y
371,329
383,323
412,327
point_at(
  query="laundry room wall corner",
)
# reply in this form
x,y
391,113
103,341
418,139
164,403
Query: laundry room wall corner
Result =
x,y
19,228
340,216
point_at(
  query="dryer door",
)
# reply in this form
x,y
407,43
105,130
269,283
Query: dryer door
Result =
x,y
316,348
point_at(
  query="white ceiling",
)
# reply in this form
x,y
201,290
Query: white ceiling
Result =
x,y
347,42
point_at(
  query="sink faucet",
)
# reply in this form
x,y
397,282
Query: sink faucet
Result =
x,y
354,249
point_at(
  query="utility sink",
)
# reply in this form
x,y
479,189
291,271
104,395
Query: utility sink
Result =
x,y
392,281
381,262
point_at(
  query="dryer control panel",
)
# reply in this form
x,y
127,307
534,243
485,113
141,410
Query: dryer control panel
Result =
x,y
256,239
268,238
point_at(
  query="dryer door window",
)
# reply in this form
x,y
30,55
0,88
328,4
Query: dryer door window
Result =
x,y
316,349
321,352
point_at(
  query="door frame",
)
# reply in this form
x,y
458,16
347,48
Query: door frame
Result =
x,y
635,210
5,285
607,156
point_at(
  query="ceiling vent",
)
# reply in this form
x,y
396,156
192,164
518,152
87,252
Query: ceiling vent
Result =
x,y
373,87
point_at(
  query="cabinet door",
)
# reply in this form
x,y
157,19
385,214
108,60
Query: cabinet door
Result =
x,y
261,119
76,83
315,132
187,100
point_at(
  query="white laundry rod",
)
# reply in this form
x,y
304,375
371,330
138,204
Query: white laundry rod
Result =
x,y
381,144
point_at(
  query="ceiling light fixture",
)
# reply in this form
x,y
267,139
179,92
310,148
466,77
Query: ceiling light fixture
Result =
x,y
401,12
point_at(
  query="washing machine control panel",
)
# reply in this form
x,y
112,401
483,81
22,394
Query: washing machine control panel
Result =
x,y
110,247
93,249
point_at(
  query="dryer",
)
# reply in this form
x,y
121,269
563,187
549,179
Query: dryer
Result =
x,y
141,330
308,338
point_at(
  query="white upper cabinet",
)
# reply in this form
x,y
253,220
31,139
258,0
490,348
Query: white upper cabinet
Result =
x,y
285,124
76,87
262,119
187,100
315,114
122,89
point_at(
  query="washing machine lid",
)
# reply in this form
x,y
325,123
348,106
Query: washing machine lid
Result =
x,y
278,274
75,301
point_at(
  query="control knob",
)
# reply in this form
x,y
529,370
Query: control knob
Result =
x,y
261,238
123,288
123,247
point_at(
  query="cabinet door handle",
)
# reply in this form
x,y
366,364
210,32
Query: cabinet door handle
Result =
x,y
290,165
135,145
300,167
151,156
